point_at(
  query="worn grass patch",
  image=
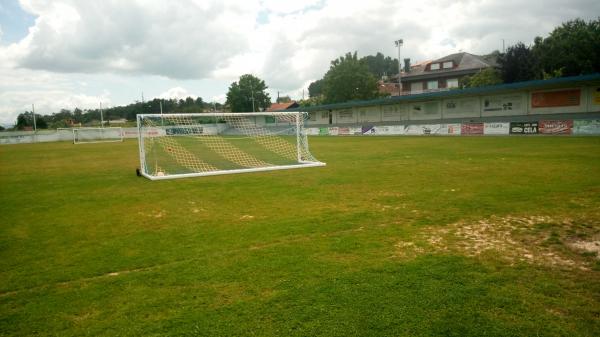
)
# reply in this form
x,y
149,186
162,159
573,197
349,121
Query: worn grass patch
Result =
x,y
397,236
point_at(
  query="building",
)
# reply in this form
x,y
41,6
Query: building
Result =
x,y
283,106
565,98
443,73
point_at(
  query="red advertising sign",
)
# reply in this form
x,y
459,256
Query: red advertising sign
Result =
x,y
561,127
550,99
343,131
471,129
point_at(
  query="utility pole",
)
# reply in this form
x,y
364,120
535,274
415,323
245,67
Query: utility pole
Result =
x,y
399,44
101,116
33,112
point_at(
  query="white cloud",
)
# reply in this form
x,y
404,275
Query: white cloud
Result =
x,y
177,93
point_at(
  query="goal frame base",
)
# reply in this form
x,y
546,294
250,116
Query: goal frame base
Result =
x,y
222,172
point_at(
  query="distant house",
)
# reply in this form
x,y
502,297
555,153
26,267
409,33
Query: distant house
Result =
x,y
283,106
443,73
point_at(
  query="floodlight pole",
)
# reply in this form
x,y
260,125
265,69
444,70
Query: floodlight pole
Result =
x,y
252,95
399,44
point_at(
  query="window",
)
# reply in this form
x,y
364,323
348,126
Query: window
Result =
x,y
432,84
416,86
452,83
448,64
435,66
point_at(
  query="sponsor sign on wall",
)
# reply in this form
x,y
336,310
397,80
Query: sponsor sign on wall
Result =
x,y
334,131
453,129
496,128
523,128
323,131
343,131
386,130
312,131
551,99
558,127
471,129
586,127
422,129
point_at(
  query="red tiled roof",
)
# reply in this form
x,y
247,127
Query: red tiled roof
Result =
x,y
282,106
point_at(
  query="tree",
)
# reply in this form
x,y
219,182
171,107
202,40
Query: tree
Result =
x,y
380,65
315,89
571,49
488,76
284,99
248,94
26,120
348,79
2,128
518,64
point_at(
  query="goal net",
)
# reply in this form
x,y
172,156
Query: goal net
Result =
x,y
189,145
97,135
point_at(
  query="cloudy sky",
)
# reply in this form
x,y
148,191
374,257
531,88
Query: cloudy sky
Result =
x,y
72,53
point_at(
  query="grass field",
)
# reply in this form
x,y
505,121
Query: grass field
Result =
x,y
397,236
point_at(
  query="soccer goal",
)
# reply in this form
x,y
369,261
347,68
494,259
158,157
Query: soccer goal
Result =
x,y
190,145
97,135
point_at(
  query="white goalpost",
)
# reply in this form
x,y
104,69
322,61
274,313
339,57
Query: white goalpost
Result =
x,y
191,145
97,135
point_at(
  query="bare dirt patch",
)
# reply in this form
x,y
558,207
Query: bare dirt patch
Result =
x,y
542,240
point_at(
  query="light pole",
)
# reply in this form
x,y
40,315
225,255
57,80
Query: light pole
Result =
x,y
252,94
399,44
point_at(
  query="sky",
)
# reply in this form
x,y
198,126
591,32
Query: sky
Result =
x,y
70,53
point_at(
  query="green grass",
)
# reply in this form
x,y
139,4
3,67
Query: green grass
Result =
x,y
88,248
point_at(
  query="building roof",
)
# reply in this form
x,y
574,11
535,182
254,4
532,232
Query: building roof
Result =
x,y
593,79
464,63
282,106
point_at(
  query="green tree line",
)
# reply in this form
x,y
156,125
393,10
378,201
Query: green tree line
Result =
x,y
91,117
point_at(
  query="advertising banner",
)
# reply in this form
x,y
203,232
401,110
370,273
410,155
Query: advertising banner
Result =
x,y
367,130
523,128
496,128
422,129
343,131
323,131
471,129
551,99
357,131
333,131
388,130
312,131
559,127
453,129
586,127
